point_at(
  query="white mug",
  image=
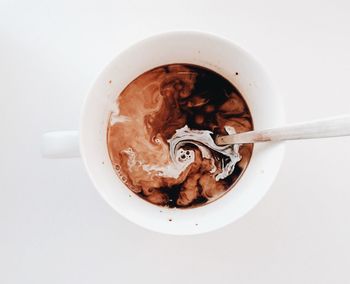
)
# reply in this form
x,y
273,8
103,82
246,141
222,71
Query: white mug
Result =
x,y
207,50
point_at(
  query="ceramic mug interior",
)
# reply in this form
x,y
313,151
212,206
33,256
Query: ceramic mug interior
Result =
x,y
219,55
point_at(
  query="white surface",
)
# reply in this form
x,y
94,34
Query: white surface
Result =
x,y
55,228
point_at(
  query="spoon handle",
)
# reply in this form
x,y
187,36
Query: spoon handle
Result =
x,y
330,127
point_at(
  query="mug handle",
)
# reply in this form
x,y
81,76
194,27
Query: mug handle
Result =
x,y
60,144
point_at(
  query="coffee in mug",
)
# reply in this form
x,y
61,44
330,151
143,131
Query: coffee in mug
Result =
x,y
161,135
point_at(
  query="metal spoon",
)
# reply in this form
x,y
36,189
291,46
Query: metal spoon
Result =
x,y
329,127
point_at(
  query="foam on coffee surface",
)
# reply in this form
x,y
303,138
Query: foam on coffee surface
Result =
x,y
161,135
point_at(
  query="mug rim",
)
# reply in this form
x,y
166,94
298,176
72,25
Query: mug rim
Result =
x,y
139,43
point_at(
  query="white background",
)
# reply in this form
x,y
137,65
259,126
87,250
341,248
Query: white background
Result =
x,y
55,228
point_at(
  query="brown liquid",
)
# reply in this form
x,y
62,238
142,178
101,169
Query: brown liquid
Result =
x,y
151,109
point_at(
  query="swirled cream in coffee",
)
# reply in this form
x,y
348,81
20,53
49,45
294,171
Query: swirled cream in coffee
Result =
x,y
161,135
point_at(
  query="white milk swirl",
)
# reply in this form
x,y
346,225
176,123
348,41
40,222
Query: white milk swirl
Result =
x,y
205,143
